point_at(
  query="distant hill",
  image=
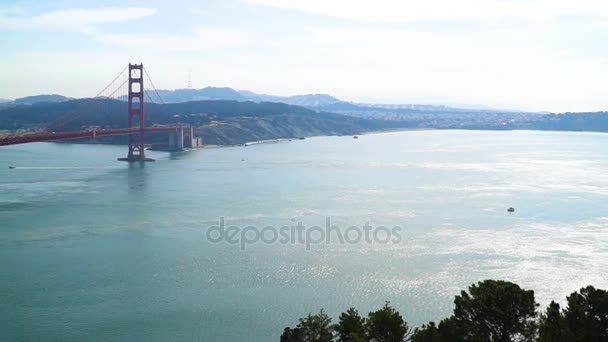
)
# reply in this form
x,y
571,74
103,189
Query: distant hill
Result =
x,y
237,122
221,121
208,93
28,100
310,100
226,93
319,102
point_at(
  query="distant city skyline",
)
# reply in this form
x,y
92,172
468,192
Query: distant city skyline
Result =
x,y
531,55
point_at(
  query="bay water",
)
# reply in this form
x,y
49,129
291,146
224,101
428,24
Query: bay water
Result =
x,y
96,249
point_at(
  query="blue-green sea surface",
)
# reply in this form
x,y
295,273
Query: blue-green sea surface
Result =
x,y
96,249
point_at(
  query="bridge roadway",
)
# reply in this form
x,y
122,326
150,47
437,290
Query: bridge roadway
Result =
x,y
51,136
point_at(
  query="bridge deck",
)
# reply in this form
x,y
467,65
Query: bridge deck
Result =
x,y
52,136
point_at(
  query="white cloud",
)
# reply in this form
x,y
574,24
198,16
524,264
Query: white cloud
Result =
x,y
202,39
429,10
75,19
554,65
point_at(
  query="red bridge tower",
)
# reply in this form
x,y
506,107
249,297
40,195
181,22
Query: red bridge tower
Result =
x,y
136,114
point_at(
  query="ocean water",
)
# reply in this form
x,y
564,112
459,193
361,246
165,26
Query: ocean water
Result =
x,y
95,249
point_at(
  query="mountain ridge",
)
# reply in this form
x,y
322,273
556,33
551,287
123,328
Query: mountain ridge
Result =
x,y
317,101
230,122
221,122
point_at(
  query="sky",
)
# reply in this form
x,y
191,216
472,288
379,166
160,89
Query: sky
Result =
x,y
517,54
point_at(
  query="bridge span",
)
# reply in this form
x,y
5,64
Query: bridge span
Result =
x,y
136,130
53,136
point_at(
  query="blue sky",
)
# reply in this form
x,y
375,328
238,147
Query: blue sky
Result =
x,y
528,54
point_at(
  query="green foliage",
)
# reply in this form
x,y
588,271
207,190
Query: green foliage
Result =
x,y
552,325
291,335
428,333
386,325
496,311
491,311
450,330
587,315
351,327
312,328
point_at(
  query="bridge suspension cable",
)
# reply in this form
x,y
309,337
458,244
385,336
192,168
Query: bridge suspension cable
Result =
x,y
153,88
117,89
84,108
96,105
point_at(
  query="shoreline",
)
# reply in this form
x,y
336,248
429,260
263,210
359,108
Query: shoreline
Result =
x,y
382,131
395,130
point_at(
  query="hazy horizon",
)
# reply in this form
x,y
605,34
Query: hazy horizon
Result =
x,y
437,101
533,55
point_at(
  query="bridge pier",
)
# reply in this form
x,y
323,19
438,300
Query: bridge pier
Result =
x,y
184,139
136,159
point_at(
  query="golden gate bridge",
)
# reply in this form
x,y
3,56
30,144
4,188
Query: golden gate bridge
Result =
x,y
131,90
